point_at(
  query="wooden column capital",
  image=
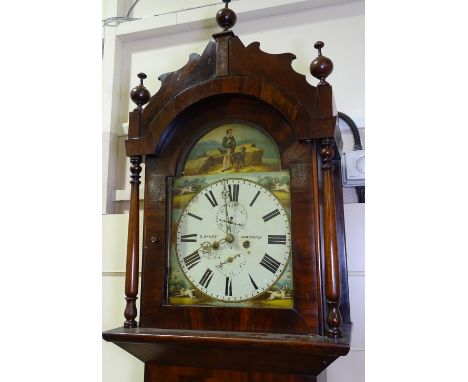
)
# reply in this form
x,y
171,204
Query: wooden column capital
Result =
x,y
327,152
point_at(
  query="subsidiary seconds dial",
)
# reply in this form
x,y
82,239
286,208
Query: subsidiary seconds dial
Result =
x,y
233,240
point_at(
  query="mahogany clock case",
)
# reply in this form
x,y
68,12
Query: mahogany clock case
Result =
x,y
233,83
301,160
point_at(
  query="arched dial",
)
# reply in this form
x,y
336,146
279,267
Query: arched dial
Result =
x,y
233,240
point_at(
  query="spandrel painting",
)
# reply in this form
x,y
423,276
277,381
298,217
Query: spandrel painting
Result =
x,y
233,148
230,224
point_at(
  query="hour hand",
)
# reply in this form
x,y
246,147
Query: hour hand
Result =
x,y
228,239
205,247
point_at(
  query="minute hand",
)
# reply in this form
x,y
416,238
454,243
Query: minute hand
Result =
x,y
228,227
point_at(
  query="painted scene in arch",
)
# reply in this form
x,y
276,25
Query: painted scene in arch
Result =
x,y
233,148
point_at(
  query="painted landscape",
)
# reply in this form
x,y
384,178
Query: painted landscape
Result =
x,y
186,187
233,148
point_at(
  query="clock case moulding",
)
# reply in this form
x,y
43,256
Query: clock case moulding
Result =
x,y
230,82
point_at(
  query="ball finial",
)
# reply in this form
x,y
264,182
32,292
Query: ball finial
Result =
x,y
322,66
226,17
142,76
139,94
319,45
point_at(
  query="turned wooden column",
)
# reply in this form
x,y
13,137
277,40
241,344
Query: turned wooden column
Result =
x,y
140,95
321,67
330,245
131,275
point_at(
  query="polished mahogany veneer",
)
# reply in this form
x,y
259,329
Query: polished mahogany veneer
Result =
x,y
230,82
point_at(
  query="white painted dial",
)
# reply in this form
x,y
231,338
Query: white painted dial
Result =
x,y
233,240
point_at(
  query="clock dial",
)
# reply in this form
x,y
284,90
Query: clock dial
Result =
x,y
233,240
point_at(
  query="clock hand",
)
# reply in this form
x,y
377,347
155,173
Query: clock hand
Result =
x,y
230,259
225,196
230,222
216,244
229,236
205,247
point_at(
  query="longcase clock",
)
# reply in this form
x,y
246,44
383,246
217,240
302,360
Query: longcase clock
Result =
x,y
244,266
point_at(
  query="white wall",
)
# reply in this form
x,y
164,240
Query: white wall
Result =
x,y
156,45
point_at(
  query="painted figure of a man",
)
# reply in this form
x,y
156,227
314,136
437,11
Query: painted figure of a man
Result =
x,y
228,147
